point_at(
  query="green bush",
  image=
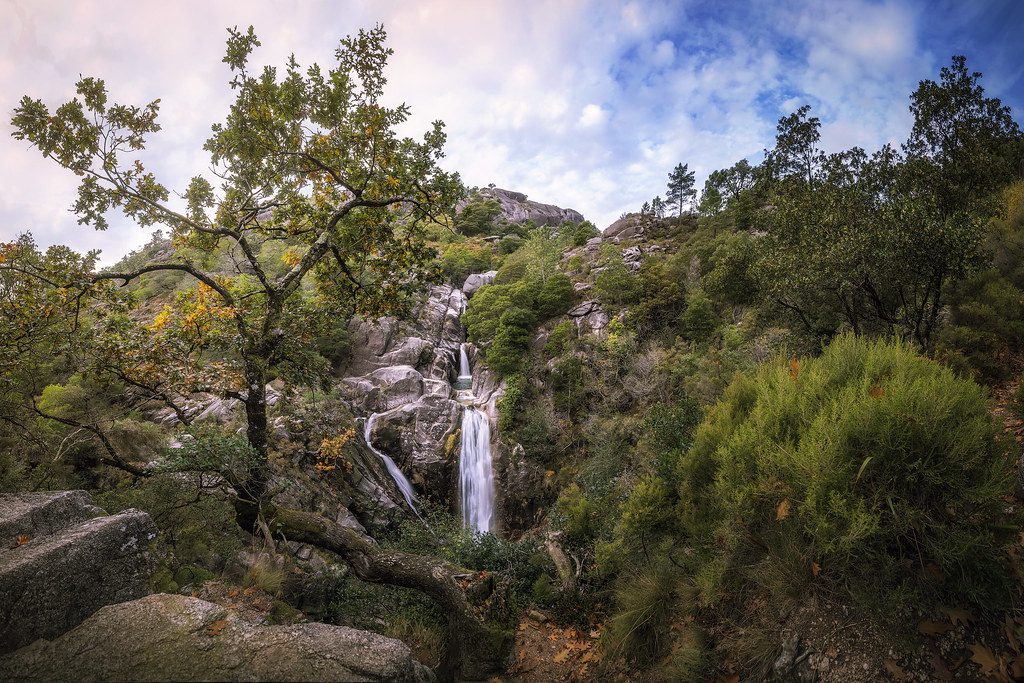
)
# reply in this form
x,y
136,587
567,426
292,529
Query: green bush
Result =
x,y
511,340
559,339
616,286
871,474
700,321
578,233
478,217
555,296
647,601
875,462
459,259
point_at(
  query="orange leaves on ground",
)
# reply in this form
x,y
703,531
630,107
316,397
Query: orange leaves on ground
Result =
x,y
939,667
21,540
216,627
957,616
985,658
782,510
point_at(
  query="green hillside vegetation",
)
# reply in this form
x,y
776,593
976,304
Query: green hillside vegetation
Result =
x,y
796,398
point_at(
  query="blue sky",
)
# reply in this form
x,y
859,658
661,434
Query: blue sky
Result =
x,y
586,104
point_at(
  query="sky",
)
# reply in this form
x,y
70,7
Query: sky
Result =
x,y
583,104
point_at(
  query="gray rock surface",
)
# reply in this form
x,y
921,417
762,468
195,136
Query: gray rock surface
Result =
x,y
478,280
590,318
516,208
411,390
77,564
40,514
629,226
173,637
388,387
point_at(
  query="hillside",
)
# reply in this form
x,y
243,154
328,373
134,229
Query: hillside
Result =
x,y
344,418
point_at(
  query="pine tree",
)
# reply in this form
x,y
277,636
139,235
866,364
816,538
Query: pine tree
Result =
x,y
680,187
658,207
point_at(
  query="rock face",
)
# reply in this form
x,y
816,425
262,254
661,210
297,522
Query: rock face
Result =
x,y
516,208
629,226
173,637
478,280
590,318
60,562
402,371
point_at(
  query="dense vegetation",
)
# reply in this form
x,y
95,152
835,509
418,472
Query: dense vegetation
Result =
x,y
779,398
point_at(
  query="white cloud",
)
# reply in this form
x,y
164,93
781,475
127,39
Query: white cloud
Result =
x,y
581,103
592,115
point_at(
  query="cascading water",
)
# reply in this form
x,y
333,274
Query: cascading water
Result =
x,y
476,473
403,484
464,371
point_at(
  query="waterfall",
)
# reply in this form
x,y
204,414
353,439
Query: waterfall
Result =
x,y
403,484
476,472
476,477
464,372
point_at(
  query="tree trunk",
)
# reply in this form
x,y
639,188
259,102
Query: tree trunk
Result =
x,y
475,650
256,405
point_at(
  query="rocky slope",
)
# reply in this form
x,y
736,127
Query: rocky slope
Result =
x,y
402,372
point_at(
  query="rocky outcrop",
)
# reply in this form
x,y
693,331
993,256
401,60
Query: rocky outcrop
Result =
x,y
173,637
388,387
478,280
402,371
630,226
523,490
516,208
590,318
41,514
62,559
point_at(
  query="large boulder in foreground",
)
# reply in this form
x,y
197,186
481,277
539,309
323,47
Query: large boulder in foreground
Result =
x,y
172,637
59,563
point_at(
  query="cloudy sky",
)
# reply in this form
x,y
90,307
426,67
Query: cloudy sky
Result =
x,y
585,104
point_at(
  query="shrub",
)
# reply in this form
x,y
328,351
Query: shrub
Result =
x,y
555,296
616,286
265,574
700,321
875,462
646,604
559,339
510,404
511,340
510,244
459,259
478,217
578,233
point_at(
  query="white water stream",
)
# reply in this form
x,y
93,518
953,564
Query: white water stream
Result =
x,y
476,473
403,484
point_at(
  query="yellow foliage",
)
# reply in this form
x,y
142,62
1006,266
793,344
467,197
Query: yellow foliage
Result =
x,y
332,452
449,445
161,319
291,258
